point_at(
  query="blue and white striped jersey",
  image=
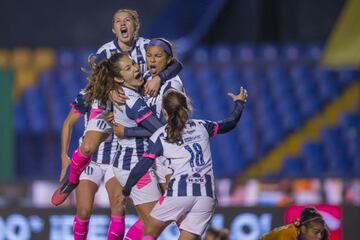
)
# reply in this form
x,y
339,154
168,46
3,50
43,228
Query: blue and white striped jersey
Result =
x,y
131,114
107,149
138,52
190,160
79,106
155,103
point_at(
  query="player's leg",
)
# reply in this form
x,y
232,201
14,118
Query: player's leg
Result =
x,y
154,227
85,194
144,195
143,211
185,235
197,219
81,157
117,205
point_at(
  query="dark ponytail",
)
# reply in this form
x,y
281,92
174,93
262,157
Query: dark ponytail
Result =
x,y
101,81
178,108
310,215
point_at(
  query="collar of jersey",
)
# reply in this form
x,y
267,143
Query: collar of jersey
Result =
x,y
132,89
115,41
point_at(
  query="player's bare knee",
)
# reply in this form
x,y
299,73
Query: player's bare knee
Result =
x,y
87,148
83,213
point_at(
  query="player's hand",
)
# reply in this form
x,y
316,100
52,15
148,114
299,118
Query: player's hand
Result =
x,y
152,86
118,97
109,117
118,129
65,162
242,96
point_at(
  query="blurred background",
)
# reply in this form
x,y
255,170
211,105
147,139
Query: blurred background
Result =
x,y
296,144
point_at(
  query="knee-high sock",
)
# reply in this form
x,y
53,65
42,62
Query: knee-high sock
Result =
x,y
78,163
135,231
148,238
116,228
80,228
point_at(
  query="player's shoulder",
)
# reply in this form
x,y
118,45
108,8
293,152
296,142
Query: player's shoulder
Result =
x,y
197,122
176,81
159,134
142,41
284,232
106,47
133,97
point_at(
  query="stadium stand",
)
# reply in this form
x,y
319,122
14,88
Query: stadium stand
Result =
x,y
287,88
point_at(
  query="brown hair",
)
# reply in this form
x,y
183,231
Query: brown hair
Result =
x,y
134,15
101,81
310,215
177,107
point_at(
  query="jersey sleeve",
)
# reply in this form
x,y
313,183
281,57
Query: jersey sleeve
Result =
x,y
230,123
155,149
147,76
144,117
171,71
212,128
130,132
78,105
177,85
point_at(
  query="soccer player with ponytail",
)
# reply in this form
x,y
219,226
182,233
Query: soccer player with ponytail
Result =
x,y
185,142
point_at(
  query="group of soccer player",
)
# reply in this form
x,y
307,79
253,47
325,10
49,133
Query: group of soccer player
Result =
x,y
140,140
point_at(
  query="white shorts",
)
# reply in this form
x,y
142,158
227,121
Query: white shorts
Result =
x,y
198,212
95,172
145,191
99,124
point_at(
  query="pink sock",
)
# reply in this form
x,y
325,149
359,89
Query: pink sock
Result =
x,y
116,228
148,238
78,163
80,228
135,231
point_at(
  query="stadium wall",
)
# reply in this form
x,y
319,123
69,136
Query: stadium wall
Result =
x,y
245,223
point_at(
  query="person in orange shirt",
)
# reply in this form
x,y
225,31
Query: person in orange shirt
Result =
x,y
311,226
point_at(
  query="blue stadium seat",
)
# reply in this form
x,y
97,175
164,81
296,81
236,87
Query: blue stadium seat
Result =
x,y
21,121
221,53
35,109
277,73
300,72
292,51
66,58
347,76
339,164
231,78
310,105
289,114
268,52
314,51
73,81
247,138
314,161
292,167
356,165
245,52
349,127
82,56
327,83
201,55
192,90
